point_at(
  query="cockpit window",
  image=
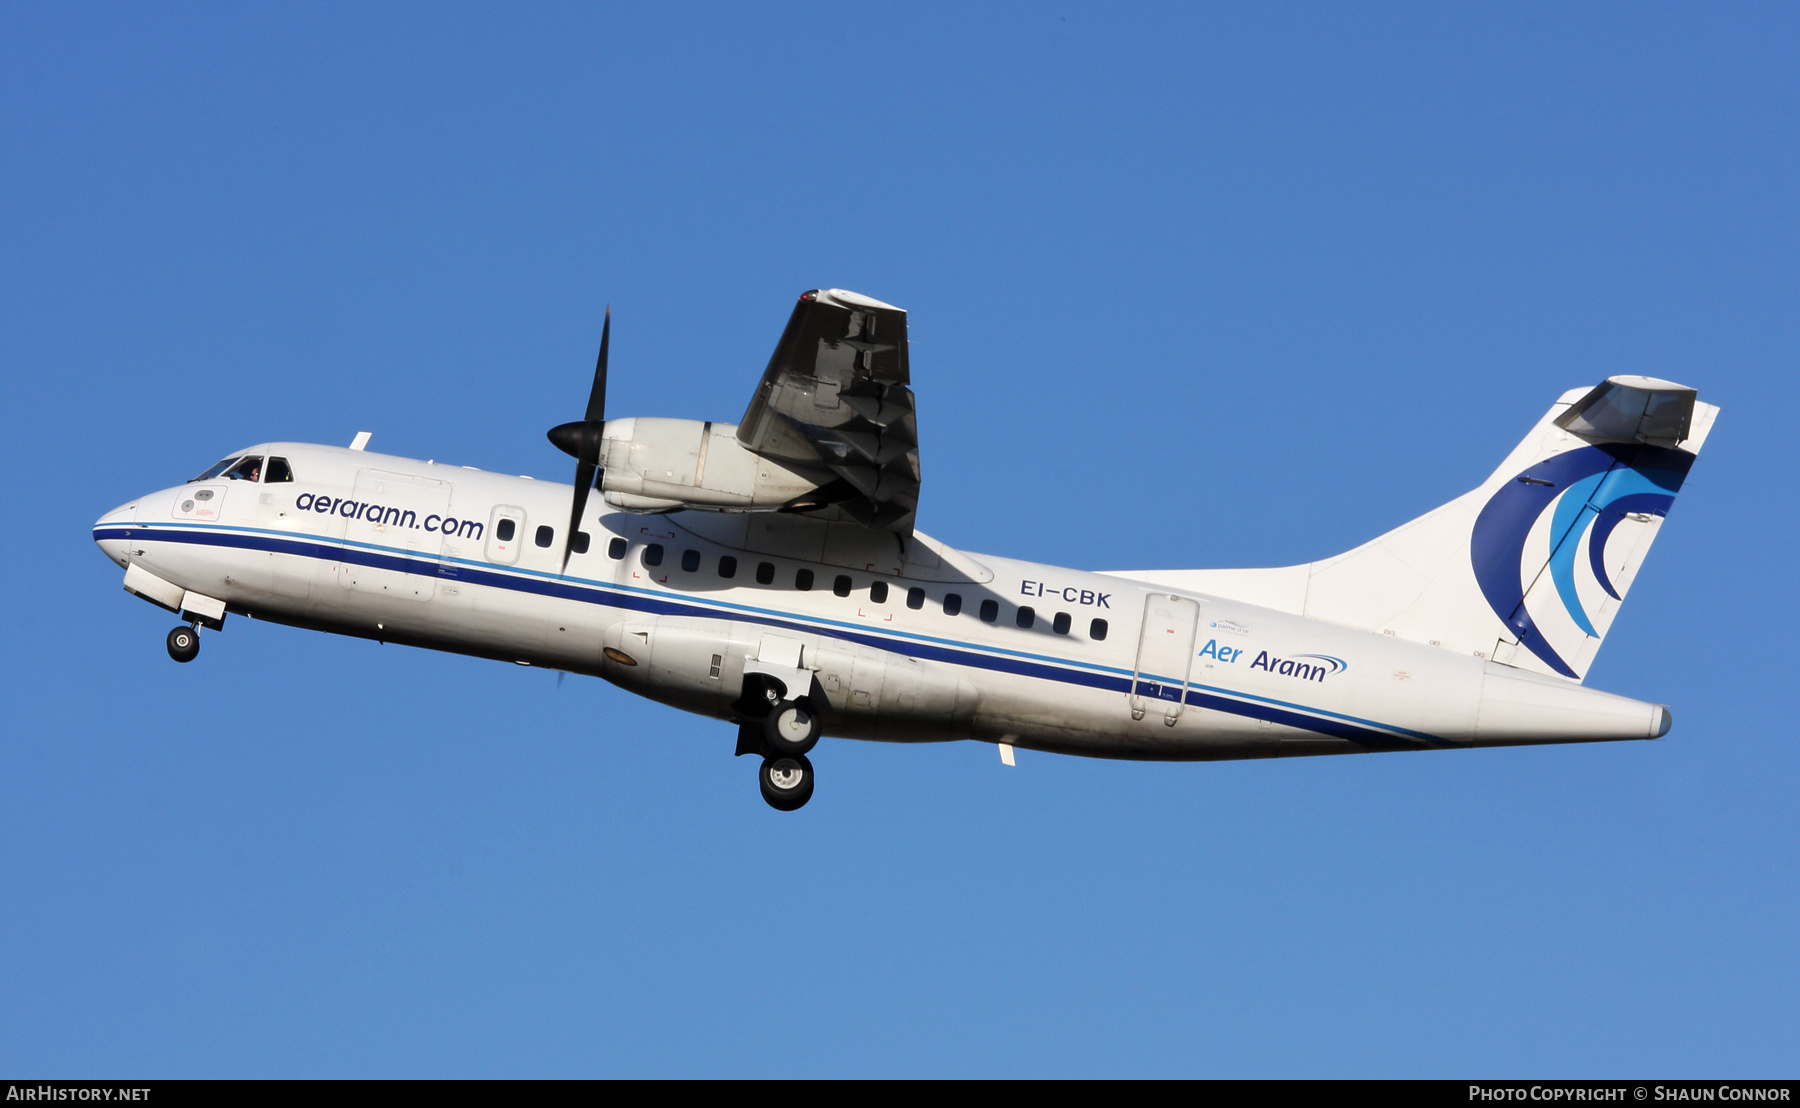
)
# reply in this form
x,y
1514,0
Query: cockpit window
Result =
x,y
248,469
214,471
278,472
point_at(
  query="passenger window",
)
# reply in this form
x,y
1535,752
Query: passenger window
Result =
x,y
1097,630
841,586
952,604
505,530
765,573
728,567
803,579
247,470
545,536
1026,617
580,545
915,598
615,549
278,472
990,611
878,593
1061,624
690,560
216,469
653,554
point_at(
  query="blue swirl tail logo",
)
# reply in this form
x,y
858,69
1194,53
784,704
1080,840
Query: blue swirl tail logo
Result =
x,y
1589,489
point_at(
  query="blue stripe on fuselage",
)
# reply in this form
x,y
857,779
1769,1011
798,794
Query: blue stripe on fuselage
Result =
x,y
583,590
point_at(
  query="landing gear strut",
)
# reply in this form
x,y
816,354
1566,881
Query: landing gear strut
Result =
x,y
184,643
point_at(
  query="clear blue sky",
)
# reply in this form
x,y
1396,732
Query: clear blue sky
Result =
x,y
1190,286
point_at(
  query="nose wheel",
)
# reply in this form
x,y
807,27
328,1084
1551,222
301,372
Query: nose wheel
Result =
x,y
184,644
787,781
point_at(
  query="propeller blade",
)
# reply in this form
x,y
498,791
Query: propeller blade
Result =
x,y
583,438
584,480
596,409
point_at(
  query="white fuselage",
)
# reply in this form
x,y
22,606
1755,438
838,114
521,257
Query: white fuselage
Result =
x,y
413,552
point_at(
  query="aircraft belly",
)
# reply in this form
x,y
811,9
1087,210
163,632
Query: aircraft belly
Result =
x,y
722,667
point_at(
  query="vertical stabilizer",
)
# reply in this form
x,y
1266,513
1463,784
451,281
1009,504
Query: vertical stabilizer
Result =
x,y
1530,568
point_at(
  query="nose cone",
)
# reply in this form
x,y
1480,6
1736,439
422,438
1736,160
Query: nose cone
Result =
x,y
113,530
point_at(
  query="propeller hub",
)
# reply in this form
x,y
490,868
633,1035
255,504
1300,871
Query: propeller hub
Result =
x,y
579,439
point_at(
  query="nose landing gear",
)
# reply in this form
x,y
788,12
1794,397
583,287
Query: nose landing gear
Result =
x,y
184,643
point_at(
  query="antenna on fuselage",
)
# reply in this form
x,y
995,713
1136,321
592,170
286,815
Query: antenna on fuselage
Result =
x,y
581,439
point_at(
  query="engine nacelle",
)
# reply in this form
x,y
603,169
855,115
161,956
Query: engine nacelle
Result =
x,y
660,465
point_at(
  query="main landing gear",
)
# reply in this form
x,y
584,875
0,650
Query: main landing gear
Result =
x,y
184,643
790,729
787,781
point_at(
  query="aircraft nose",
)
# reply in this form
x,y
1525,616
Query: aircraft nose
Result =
x,y
111,531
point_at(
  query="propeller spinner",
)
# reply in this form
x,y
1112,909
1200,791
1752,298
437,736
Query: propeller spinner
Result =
x,y
581,439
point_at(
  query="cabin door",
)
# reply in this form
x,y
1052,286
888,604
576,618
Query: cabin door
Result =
x,y
1165,656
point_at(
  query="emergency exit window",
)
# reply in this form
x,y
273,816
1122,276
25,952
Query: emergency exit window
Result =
x,y
506,530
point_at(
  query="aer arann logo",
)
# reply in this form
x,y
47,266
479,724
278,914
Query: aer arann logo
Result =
x,y
1307,667
1559,514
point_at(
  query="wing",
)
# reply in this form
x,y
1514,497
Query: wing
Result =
x,y
836,394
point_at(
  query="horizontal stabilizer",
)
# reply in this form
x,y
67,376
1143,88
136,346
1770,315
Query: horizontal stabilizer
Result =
x,y
1632,409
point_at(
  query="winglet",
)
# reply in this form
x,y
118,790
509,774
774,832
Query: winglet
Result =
x,y
361,440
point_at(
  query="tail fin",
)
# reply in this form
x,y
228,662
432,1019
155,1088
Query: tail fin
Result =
x,y
1530,568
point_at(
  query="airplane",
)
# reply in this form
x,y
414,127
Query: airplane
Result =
x,y
768,573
